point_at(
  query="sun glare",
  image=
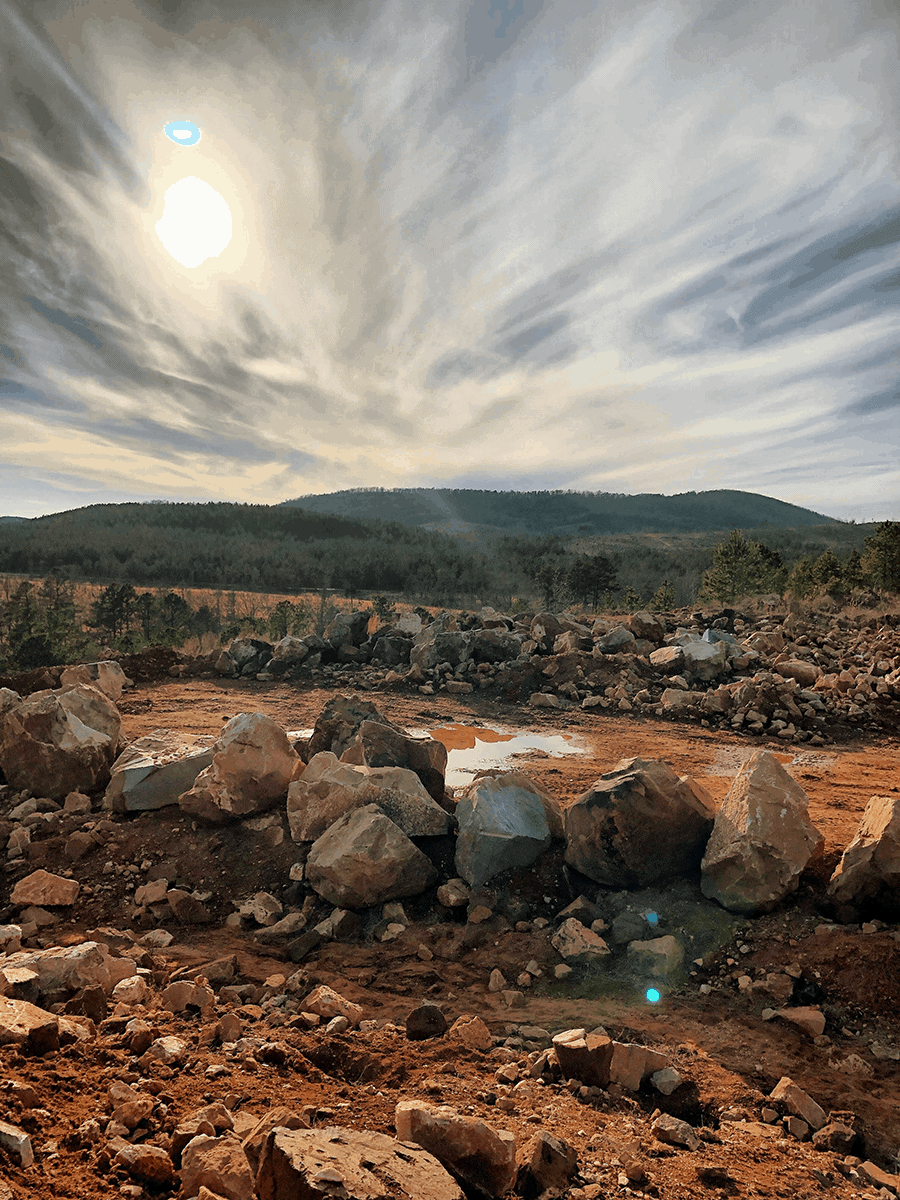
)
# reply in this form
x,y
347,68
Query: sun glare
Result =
x,y
196,222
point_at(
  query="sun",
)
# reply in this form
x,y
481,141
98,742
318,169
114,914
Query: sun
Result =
x,y
196,222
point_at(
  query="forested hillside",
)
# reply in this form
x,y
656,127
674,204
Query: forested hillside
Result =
x,y
562,512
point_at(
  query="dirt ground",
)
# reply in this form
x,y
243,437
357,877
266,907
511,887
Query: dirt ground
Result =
x,y
730,1057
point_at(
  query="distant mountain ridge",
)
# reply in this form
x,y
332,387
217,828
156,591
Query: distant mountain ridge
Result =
x,y
470,510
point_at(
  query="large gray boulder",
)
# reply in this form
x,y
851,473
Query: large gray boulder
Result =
x,y
329,788
155,770
502,824
348,628
253,764
761,841
870,865
59,741
431,648
375,744
638,824
364,859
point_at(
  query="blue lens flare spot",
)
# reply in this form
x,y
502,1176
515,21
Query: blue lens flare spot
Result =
x,y
652,995
184,133
652,918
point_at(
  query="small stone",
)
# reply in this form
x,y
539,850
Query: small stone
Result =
x,y
674,1132
497,981
425,1021
666,1080
797,1128
562,971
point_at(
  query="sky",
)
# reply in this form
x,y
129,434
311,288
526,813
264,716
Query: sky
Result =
x,y
505,244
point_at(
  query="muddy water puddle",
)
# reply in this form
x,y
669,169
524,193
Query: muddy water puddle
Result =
x,y
474,748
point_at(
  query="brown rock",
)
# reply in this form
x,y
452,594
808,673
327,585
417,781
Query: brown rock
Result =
x,y
472,1032
837,1137
48,890
148,1164
584,1056
350,1164
364,859
218,1163
474,1153
545,1163
632,1064
674,1132
326,1003
425,1021
253,764
798,1102
254,1141
872,860
58,741
376,744
637,825
761,841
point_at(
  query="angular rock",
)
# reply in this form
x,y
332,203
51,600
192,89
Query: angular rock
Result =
x,y
364,859
666,1080
107,676
453,894
48,890
810,1020
871,863
375,744
337,723
56,742
327,1004
329,788
17,1142
148,1164
502,824
618,641
632,1064
254,1141
472,1032
761,841
805,673
155,770
432,646
659,957
668,660
474,1153
704,660
348,628
71,968
638,824
351,1164
545,1164
647,626
218,1163
798,1102
573,942
253,764
674,1132
22,1023
584,1056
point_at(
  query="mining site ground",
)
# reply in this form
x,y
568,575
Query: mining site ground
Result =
x,y
717,1038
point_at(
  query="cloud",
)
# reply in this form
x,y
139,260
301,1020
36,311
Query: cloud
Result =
x,y
502,241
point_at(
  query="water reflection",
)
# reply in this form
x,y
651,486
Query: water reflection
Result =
x,y
473,748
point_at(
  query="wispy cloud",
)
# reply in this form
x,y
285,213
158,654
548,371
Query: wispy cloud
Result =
x,y
636,247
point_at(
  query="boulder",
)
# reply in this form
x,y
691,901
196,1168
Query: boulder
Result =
x,y
287,652
496,645
249,655
479,1157
472,1032
798,1102
253,763
45,889
631,1064
24,1024
153,771
108,677
704,660
329,788
364,859
58,741
431,647
218,1163
337,723
71,968
328,1004
668,660
545,1166
659,957
8,699
502,824
584,1056
375,744
618,641
647,626
348,629
871,863
349,1163
761,841
805,673
638,824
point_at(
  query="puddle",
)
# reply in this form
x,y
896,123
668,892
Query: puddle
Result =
x,y
473,748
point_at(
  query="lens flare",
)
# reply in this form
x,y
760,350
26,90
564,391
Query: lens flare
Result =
x,y
652,995
653,918
196,222
183,133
